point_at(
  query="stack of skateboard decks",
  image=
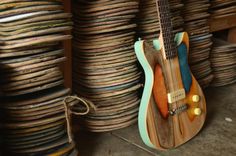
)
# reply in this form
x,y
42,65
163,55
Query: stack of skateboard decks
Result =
x,y
104,62
196,24
31,83
223,61
34,124
30,32
221,9
148,22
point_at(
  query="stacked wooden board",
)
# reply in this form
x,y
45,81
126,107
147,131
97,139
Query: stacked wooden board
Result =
x,y
31,83
104,62
223,61
35,124
148,22
196,24
222,8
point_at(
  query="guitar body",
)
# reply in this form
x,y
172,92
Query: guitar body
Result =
x,y
173,107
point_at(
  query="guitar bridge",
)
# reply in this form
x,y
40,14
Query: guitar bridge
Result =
x,y
178,110
176,96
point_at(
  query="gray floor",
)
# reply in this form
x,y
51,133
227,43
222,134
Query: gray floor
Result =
x,y
217,138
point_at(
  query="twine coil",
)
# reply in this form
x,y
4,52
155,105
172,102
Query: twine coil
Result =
x,y
68,111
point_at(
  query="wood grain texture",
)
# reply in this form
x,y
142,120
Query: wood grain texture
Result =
x,y
231,35
185,125
222,23
159,92
161,124
67,44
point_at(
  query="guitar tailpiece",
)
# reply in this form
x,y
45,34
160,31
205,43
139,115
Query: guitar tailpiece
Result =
x,y
178,110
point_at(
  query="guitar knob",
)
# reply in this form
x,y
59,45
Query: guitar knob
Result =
x,y
196,98
197,111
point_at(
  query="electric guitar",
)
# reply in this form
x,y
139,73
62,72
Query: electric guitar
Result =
x,y
173,107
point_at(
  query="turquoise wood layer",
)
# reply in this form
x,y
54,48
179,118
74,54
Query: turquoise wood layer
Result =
x,y
147,92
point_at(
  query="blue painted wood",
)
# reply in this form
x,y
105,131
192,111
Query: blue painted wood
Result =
x,y
184,67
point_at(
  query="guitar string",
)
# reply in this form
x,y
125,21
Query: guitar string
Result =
x,y
169,41
169,53
176,78
168,49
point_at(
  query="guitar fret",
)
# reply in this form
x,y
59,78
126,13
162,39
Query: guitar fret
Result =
x,y
166,28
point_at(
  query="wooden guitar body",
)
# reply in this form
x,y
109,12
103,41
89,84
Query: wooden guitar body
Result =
x,y
173,107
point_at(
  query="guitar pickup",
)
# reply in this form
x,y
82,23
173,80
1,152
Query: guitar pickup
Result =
x,y
176,96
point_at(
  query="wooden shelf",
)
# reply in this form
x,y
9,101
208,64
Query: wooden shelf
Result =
x,y
222,23
67,66
231,35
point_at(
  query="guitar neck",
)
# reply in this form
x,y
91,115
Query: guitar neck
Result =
x,y
166,29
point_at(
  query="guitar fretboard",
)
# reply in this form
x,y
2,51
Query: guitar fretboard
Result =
x,y
166,28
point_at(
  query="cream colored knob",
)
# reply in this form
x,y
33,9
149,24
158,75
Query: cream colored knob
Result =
x,y
196,98
197,111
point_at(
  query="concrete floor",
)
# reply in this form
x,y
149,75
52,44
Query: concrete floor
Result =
x,y
217,138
